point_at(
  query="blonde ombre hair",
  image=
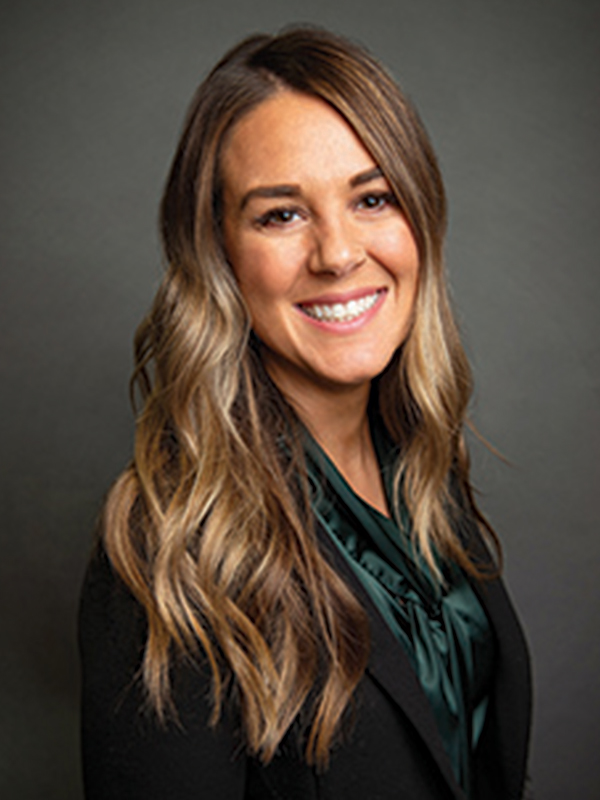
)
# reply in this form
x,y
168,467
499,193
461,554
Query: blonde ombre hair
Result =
x,y
210,526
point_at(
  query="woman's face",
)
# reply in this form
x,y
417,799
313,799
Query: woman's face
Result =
x,y
324,258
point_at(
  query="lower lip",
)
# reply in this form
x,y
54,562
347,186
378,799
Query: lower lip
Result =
x,y
351,325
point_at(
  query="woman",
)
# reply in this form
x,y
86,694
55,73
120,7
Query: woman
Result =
x,y
294,595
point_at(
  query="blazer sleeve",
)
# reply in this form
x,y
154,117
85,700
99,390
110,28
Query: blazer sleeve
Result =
x,y
127,753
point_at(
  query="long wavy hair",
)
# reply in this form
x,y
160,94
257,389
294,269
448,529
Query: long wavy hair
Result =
x,y
210,525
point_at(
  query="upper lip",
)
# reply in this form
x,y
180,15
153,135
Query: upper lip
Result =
x,y
341,297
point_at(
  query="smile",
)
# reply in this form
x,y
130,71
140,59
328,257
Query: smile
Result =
x,y
341,312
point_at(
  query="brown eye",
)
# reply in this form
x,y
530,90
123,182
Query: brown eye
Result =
x,y
375,200
278,217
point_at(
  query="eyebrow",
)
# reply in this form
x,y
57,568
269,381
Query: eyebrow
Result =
x,y
293,190
281,190
366,177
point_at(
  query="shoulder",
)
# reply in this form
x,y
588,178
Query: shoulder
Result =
x,y
109,616
127,751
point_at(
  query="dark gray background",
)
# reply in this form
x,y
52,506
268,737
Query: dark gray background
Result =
x,y
93,96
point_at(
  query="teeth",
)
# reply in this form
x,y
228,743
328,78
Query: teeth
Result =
x,y
342,312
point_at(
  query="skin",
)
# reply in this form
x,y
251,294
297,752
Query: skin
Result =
x,y
310,221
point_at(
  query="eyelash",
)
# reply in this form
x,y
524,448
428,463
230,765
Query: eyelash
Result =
x,y
275,216
382,198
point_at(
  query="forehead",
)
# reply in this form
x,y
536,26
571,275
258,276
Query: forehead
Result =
x,y
292,137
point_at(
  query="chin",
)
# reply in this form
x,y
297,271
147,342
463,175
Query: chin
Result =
x,y
350,379
357,375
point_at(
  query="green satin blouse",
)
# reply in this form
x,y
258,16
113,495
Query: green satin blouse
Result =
x,y
444,630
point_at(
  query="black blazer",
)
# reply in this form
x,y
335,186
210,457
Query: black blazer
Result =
x,y
393,749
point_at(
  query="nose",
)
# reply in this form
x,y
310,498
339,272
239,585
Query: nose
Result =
x,y
338,249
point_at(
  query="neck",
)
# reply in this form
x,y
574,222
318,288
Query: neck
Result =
x,y
336,417
339,423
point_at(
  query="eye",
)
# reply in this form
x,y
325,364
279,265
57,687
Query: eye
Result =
x,y
373,201
278,217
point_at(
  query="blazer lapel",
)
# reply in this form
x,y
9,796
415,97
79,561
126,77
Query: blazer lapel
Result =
x,y
511,699
390,667
512,695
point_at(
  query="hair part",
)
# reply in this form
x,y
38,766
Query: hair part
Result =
x,y
210,527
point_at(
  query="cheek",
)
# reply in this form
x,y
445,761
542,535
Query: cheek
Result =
x,y
264,271
396,250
